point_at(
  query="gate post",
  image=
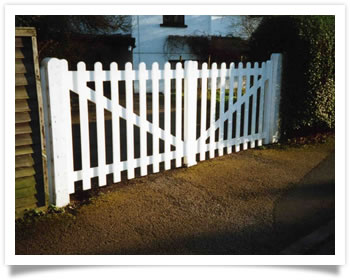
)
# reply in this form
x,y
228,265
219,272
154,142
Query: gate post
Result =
x,y
272,100
190,112
56,99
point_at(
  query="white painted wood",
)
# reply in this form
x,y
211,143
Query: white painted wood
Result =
x,y
80,80
179,144
129,124
222,107
246,104
115,120
48,128
230,105
204,76
190,112
274,98
212,128
167,112
100,122
239,97
254,106
58,80
155,115
267,104
60,161
143,118
262,97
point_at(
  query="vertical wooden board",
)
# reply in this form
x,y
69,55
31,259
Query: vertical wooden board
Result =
x,y
60,126
155,115
246,106
261,105
238,114
254,106
40,113
190,112
212,128
80,79
203,109
179,143
143,118
115,121
230,105
222,108
100,123
129,123
167,112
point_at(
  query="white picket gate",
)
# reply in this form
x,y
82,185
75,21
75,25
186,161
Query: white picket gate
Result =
x,y
227,125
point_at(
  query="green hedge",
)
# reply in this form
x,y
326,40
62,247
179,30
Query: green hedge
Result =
x,y
308,90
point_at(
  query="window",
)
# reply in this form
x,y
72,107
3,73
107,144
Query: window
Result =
x,y
173,21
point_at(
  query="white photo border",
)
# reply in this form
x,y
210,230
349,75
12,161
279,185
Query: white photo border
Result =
x,y
12,10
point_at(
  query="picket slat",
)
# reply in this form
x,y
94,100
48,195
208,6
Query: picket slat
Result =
x,y
204,76
155,115
262,97
214,74
246,104
100,123
238,112
254,106
179,147
115,121
222,107
80,80
129,124
230,104
167,111
143,133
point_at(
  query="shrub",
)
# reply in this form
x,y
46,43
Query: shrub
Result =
x,y
308,89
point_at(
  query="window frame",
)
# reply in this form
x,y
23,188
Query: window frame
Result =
x,y
173,23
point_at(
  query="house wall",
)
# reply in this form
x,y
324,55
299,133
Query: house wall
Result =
x,y
151,37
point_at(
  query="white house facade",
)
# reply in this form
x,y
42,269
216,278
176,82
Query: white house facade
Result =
x,y
152,31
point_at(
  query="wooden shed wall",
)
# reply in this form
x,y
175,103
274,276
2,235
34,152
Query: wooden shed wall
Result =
x,y
30,173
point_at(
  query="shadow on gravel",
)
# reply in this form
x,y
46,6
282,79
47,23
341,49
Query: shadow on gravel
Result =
x,y
308,205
